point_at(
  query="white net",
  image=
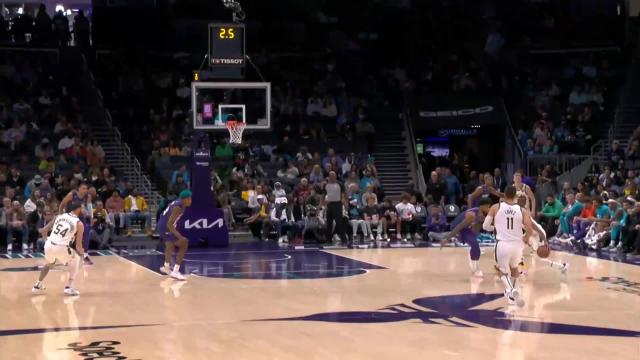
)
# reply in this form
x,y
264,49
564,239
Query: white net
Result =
x,y
235,131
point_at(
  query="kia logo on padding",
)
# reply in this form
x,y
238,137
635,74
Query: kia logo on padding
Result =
x,y
460,112
203,224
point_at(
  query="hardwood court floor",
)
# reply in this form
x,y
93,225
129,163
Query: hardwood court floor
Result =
x,y
414,304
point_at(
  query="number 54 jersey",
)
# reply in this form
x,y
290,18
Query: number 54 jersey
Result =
x,y
508,223
64,229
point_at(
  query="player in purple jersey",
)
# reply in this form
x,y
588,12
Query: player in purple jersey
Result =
x,y
466,226
483,191
171,236
81,195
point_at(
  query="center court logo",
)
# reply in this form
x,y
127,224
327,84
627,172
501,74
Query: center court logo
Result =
x,y
451,309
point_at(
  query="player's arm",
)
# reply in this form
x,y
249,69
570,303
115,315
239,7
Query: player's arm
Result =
x,y
472,197
175,213
65,201
47,228
496,192
466,221
89,208
487,224
532,198
541,233
79,235
528,225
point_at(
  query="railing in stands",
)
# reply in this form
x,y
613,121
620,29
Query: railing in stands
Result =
x,y
518,161
132,165
416,167
561,162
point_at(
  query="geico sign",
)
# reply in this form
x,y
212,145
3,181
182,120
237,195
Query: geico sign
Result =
x,y
203,224
461,112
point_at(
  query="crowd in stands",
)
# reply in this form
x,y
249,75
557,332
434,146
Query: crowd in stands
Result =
x,y
46,151
38,27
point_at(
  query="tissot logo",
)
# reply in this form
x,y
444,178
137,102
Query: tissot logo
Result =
x,y
227,61
459,112
97,350
203,224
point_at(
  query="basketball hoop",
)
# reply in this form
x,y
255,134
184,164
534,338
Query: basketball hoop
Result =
x,y
235,131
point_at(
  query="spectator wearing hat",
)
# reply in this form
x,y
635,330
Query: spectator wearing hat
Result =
x,y
278,191
280,219
37,183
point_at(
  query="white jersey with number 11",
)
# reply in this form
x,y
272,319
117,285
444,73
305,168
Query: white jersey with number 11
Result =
x,y
508,223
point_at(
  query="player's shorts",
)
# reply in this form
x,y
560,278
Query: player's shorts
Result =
x,y
59,254
508,254
467,236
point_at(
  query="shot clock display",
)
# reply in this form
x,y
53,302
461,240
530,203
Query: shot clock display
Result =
x,y
226,45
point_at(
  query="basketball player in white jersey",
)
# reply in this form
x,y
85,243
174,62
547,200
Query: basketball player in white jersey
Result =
x,y
66,229
509,219
523,189
539,238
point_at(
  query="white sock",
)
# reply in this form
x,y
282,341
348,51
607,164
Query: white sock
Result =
x,y
505,280
552,263
73,267
176,268
474,265
38,283
167,265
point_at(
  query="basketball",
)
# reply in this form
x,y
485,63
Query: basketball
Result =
x,y
543,251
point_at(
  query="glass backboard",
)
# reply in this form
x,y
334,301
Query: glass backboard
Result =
x,y
215,103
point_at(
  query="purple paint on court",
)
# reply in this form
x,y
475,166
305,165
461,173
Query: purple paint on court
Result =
x,y
261,261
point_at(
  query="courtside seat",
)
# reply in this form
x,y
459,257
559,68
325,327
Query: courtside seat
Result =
x,y
451,211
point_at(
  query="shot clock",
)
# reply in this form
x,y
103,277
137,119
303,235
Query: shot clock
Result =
x,y
226,45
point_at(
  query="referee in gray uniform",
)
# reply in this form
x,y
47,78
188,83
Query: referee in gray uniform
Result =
x,y
333,200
